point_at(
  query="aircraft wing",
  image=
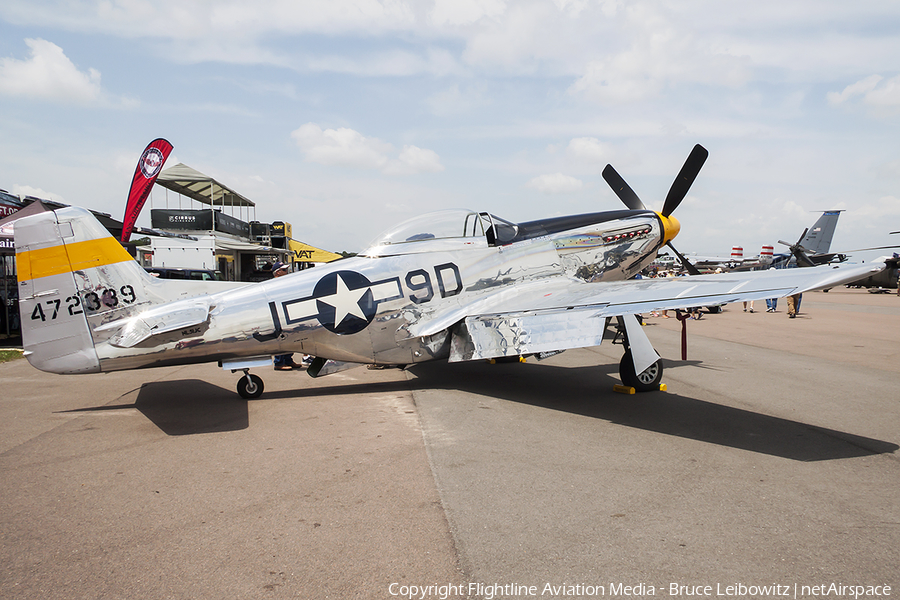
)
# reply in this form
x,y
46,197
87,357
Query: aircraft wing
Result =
x,y
544,317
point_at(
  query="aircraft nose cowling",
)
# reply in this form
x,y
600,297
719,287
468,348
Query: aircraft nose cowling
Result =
x,y
671,227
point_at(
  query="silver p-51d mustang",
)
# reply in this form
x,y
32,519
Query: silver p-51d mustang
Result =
x,y
458,285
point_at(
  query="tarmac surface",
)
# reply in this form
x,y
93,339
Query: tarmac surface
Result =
x,y
772,460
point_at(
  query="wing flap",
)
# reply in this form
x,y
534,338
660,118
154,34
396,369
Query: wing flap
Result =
x,y
493,336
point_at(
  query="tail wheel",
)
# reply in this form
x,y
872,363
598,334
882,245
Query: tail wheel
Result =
x,y
250,386
645,381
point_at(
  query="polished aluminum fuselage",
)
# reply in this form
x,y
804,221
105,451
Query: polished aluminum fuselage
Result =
x,y
397,304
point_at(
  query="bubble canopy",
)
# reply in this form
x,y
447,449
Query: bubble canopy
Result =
x,y
467,227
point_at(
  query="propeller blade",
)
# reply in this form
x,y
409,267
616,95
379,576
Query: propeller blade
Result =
x,y
685,179
684,262
622,189
799,251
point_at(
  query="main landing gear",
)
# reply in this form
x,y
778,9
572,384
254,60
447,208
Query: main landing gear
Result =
x,y
646,381
638,350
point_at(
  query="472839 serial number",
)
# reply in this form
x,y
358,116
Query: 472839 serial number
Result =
x,y
92,302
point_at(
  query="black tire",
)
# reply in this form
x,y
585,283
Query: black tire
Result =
x,y
250,386
647,381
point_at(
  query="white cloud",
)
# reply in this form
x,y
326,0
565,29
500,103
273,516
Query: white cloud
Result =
x,y
881,212
887,95
176,19
453,100
588,150
860,88
660,56
874,91
571,7
348,148
48,75
389,63
526,35
342,146
555,183
413,160
465,12
634,47
332,17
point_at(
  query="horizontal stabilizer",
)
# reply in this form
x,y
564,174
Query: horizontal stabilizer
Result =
x,y
154,322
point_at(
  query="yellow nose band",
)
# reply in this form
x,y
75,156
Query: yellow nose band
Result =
x,y
671,227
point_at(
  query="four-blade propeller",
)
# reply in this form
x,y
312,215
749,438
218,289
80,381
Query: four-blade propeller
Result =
x,y
676,194
799,252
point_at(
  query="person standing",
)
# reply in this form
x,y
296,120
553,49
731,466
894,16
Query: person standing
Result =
x,y
771,303
283,362
793,303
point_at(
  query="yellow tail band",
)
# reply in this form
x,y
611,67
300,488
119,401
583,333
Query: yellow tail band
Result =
x,y
66,258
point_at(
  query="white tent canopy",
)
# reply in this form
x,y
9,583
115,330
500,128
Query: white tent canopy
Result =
x,y
190,182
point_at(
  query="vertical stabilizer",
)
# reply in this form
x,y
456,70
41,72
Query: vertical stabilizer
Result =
x,y
818,240
72,276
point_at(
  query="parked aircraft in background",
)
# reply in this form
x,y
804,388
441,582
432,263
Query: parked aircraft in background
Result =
x,y
814,244
812,248
884,280
455,285
736,261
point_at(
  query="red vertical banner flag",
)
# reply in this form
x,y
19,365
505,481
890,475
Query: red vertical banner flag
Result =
x,y
145,174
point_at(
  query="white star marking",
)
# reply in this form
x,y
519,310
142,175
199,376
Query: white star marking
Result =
x,y
345,302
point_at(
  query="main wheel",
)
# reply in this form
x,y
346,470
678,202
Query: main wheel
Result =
x,y
250,386
646,381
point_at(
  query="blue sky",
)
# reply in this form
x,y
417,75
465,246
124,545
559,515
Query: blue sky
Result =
x,y
346,116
